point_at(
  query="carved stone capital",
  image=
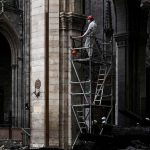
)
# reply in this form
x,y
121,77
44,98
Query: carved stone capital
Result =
x,y
71,21
76,21
63,21
121,39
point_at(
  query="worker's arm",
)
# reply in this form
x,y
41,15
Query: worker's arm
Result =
x,y
87,32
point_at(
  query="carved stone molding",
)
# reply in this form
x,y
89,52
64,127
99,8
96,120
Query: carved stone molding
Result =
x,y
71,21
63,21
76,21
121,39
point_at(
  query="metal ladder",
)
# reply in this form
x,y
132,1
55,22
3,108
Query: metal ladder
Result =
x,y
103,73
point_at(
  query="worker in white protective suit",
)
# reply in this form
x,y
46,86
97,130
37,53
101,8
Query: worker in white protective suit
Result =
x,y
90,35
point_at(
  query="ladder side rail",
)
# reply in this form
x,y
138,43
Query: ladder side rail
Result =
x,y
97,81
101,96
103,87
106,121
106,75
100,74
76,119
75,141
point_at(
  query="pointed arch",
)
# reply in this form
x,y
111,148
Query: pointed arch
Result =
x,y
11,35
8,31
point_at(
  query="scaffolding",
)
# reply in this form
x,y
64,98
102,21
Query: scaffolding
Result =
x,y
91,85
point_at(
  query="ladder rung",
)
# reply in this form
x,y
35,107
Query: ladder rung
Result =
x,y
105,95
80,106
96,100
82,122
80,81
81,116
83,127
80,59
80,93
79,111
102,72
80,48
99,84
100,79
98,93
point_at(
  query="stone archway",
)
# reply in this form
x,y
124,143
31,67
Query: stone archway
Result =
x,y
6,29
5,81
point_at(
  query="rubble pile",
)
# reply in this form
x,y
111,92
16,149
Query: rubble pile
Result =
x,y
11,145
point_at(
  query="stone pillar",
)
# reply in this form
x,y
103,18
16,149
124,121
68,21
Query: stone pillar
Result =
x,y
26,64
37,63
121,53
54,74
14,66
19,90
45,67
70,25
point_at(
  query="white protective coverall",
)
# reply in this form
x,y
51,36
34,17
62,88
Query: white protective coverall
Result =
x,y
90,37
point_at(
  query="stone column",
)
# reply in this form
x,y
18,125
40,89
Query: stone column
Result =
x,y
70,25
19,91
54,74
121,53
37,64
14,66
26,64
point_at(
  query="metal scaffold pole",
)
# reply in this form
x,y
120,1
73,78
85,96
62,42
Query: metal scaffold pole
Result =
x,y
91,89
90,95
